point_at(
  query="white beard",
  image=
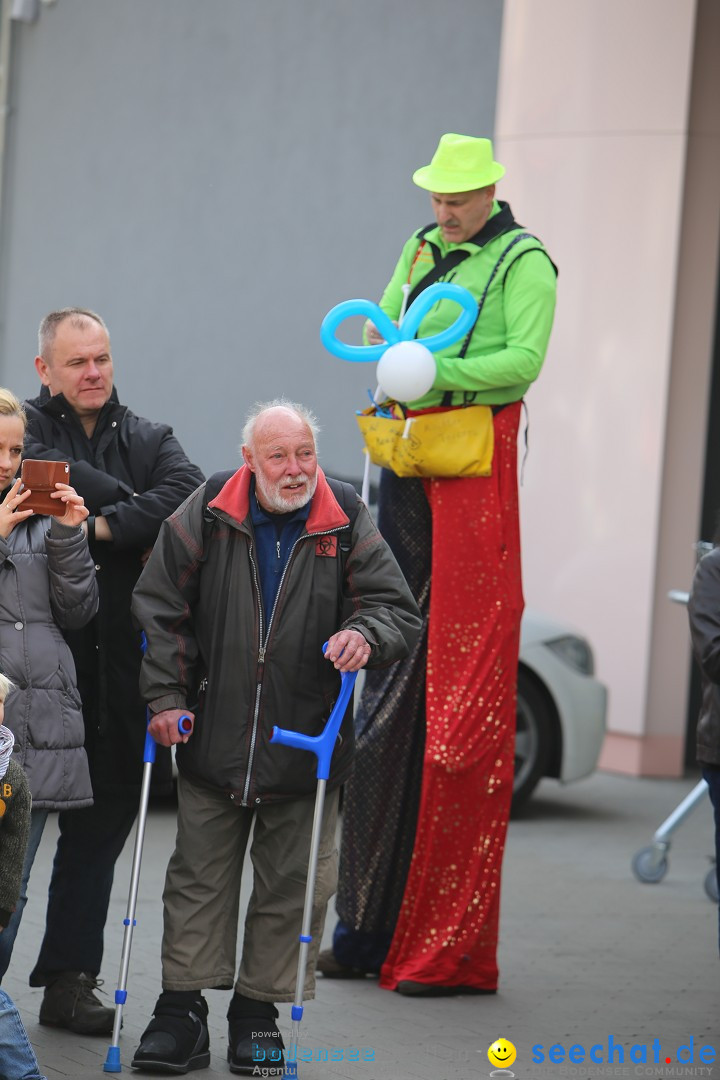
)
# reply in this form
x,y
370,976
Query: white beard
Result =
x,y
272,498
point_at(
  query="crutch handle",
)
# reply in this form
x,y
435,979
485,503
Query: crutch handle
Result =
x,y
321,745
185,727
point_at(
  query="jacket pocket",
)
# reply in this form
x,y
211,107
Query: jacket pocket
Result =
x,y
68,686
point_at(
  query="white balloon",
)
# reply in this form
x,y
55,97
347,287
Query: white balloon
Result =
x,y
406,370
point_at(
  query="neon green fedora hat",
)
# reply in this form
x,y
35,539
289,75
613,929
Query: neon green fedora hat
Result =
x,y
460,163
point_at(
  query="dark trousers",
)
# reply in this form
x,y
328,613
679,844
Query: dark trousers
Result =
x,y
712,775
89,844
7,938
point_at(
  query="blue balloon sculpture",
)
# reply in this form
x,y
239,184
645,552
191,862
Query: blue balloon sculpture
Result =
x,y
408,328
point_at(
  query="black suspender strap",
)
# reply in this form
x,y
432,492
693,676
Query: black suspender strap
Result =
x,y
441,267
481,302
469,395
442,264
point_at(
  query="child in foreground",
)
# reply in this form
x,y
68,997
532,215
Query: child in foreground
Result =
x,y
17,1058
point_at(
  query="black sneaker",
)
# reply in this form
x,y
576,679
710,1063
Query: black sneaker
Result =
x,y
255,1043
177,1039
69,1002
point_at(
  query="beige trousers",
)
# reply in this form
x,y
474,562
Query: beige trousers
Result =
x,y
202,893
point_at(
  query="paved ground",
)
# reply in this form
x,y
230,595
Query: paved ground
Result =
x,y
589,957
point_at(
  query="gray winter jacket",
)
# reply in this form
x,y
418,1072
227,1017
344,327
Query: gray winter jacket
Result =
x,y
47,581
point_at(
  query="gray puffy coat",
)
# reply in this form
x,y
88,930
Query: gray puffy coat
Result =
x,y
47,581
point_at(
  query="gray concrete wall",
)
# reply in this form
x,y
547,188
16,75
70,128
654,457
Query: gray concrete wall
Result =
x,y
213,177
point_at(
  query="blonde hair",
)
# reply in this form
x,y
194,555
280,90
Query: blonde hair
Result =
x,y
5,687
11,406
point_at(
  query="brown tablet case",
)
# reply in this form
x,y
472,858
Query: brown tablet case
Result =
x,y
41,477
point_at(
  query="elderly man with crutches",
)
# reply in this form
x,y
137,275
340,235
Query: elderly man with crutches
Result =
x,y
247,581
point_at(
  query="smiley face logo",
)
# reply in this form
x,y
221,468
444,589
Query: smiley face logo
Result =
x,y
502,1053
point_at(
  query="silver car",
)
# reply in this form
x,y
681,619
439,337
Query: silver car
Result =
x,y
561,707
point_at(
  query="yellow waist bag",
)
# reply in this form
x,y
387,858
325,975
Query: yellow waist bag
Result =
x,y
456,442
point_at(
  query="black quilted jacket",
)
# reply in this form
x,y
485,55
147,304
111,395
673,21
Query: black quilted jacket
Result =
x,y
704,613
134,472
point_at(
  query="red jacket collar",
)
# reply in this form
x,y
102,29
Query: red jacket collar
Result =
x,y
325,512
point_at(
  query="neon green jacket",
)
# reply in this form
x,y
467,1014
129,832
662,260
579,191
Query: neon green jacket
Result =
x,y
508,344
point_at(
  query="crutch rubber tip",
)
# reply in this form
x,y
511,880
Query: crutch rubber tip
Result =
x,y
112,1064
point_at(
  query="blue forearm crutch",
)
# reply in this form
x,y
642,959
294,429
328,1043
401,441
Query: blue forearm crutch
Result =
x,y
185,727
322,746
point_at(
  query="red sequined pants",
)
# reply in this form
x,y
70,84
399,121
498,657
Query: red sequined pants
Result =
x,y
447,930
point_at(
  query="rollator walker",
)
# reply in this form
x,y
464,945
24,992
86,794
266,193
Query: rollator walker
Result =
x,y
650,864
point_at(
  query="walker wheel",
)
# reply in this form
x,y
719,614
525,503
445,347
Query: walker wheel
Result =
x,y
711,884
646,866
